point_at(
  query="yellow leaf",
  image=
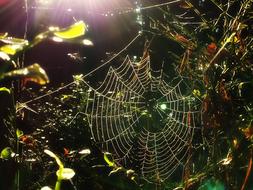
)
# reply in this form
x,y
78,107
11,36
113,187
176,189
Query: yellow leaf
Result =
x,y
229,39
108,160
13,41
116,170
6,153
65,173
11,49
19,133
75,30
32,73
5,89
57,159
196,93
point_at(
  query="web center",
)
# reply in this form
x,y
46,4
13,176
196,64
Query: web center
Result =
x,y
154,115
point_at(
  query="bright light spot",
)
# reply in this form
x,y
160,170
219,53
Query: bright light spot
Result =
x,y
41,36
4,56
138,10
69,10
53,28
57,39
87,42
44,2
46,188
138,63
85,151
163,106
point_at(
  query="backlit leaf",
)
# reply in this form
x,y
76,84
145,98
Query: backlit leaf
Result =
x,y
4,89
19,133
3,35
75,30
32,73
11,49
6,153
57,159
65,173
116,170
14,41
4,56
84,151
108,159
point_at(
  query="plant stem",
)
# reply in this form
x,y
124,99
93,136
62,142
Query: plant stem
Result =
x,y
57,185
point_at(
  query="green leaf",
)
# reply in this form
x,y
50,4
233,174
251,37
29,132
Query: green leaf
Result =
x,y
108,159
4,89
57,159
74,31
6,153
32,73
11,49
65,173
19,133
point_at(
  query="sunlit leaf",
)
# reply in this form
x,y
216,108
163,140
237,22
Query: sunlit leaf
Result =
x,y
116,170
14,41
75,30
196,93
65,173
19,133
39,38
4,89
229,39
130,172
53,155
45,188
11,49
32,73
3,35
85,151
109,159
6,153
4,56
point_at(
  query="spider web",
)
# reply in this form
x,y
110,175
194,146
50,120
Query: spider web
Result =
x,y
144,120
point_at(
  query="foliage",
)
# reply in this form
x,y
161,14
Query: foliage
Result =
x,y
216,51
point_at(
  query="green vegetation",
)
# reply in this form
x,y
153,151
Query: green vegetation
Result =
x,y
214,50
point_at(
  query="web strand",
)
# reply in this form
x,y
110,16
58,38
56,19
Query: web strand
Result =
x,y
138,116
